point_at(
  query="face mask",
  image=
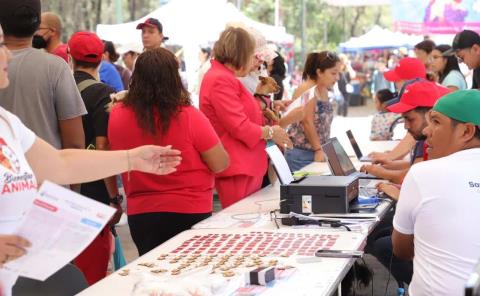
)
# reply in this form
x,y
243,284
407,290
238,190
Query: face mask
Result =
x,y
39,42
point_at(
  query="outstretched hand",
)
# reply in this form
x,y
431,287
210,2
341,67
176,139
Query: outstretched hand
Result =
x,y
281,105
155,159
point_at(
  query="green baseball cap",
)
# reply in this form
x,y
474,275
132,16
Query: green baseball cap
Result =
x,y
461,105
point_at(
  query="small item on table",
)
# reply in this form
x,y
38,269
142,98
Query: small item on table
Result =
x,y
260,276
146,264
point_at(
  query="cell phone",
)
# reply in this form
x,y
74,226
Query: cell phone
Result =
x,y
339,253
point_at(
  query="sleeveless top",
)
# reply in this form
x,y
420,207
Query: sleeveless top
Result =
x,y
323,118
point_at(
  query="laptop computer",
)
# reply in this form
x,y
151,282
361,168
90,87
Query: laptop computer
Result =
x,y
339,162
356,148
341,165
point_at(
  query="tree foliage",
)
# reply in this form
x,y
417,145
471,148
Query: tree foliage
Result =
x,y
86,14
326,26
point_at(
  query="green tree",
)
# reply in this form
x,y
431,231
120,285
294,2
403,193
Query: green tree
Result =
x,y
326,26
86,14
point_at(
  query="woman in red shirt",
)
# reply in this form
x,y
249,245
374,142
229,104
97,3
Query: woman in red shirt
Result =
x,y
236,117
157,109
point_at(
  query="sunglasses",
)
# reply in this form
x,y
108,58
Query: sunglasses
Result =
x,y
331,56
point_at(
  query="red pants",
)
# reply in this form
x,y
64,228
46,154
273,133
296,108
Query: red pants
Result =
x,y
93,261
232,189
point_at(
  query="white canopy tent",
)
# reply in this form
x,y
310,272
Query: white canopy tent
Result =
x,y
379,38
191,23
185,21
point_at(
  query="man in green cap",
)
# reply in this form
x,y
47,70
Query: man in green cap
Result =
x,y
438,212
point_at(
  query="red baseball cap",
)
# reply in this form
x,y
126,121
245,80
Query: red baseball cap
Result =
x,y
154,23
86,47
407,69
419,94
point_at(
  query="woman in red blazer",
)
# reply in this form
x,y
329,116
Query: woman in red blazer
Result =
x,y
236,117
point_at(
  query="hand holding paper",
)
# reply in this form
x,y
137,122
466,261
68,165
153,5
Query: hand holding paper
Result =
x,y
300,101
60,225
12,247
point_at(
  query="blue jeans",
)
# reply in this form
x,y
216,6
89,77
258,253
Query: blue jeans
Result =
x,y
298,158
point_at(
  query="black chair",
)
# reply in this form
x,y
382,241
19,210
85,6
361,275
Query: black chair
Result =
x,y
472,288
394,128
67,281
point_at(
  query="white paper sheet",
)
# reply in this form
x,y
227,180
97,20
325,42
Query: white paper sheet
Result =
x,y
280,164
60,225
301,101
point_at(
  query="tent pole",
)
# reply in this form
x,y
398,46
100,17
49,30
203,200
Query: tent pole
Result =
x,y
132,11
325,33
119,11
304,25
277,13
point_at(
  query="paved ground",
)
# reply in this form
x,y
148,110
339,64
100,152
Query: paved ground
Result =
x,y
380,273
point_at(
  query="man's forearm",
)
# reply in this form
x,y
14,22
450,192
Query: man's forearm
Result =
x,y
397,165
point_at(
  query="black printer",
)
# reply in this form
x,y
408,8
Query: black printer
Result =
x,y
318,195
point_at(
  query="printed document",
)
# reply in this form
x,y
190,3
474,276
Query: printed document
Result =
x,y
60,225
280,164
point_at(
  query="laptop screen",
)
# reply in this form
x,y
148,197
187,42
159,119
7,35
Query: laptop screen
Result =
x,y
355,146
339,162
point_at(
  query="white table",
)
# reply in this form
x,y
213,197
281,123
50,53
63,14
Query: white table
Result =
x,y
253,213
317,278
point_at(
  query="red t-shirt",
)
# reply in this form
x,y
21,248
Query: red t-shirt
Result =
x,y
190,188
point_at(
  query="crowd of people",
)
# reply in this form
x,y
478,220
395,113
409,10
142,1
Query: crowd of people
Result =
x,y
71,114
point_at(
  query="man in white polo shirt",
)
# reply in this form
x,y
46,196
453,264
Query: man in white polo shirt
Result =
x,y
438,213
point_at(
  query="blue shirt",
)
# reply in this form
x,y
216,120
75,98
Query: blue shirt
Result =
x,y
110,76
455,78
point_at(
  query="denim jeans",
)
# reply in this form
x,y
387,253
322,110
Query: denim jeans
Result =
x,y
402,270
298,158
379,244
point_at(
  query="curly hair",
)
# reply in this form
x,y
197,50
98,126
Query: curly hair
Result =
x,y
156,91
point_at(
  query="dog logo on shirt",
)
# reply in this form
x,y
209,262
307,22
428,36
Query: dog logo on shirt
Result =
x,y
8,159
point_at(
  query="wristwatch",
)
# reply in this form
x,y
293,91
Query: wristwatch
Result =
x,y
117,199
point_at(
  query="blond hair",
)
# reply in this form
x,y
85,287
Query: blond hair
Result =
x,y
236,47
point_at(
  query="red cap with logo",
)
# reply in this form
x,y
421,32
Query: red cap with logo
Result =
x,y
153,23
419,94
86,47
407,69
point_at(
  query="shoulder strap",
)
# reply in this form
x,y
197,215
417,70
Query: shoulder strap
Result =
x,y
86,84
